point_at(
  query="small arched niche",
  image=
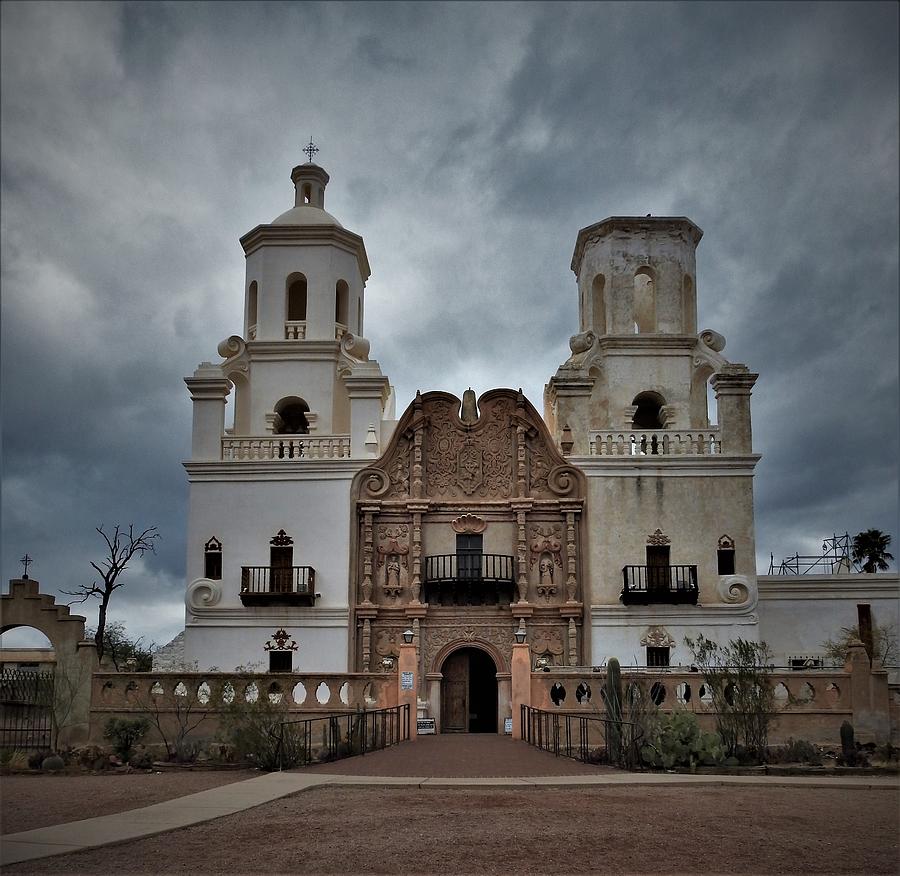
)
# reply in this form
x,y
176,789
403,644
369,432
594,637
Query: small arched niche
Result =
x,y
342,303
648,411
688,306
296,297
252,309
644,301
290,416
598,304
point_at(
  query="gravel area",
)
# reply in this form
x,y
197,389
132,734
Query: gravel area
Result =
x,y
643,829
38,800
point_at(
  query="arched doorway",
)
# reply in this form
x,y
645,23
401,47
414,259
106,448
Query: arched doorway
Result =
x,y
469,692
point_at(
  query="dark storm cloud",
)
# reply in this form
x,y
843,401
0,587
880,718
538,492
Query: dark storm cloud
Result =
x,y
468,144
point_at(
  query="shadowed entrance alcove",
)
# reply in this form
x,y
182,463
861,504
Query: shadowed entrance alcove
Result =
x,y
469,692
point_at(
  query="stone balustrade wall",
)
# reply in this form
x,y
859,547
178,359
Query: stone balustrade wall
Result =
x,y
809,705
306,695
655,442
287,447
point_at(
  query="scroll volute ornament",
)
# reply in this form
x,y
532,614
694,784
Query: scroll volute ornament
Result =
x,y
469,523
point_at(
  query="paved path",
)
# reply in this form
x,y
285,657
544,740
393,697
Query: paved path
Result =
x,y
445,761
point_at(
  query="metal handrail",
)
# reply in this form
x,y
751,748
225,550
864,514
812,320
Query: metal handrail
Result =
x,y
588,738
365,731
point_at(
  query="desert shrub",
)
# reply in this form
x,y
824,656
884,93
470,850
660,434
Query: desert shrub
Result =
x,y
675,740
13,759
887,753
53,764
796,751
256,732
35,759
124,732
737,677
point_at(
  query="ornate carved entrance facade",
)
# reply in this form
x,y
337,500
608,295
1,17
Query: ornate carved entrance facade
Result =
x,y
466,529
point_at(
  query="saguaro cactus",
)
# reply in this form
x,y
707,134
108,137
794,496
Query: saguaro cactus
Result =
x,y
613,689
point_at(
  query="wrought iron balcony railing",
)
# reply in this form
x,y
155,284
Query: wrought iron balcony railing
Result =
x,y
469,579
278,585
644,585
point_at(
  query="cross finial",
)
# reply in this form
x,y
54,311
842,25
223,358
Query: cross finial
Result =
x,y
26,561
311,149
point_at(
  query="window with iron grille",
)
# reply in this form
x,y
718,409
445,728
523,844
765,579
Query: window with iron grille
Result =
x,y
657,656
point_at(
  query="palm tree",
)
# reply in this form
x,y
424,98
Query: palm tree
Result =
x,y
870,550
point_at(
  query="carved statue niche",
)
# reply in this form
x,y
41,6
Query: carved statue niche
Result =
x,y
393,559
546,548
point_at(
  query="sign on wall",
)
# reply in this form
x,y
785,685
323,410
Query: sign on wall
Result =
x,y
425,726
507,725
406,681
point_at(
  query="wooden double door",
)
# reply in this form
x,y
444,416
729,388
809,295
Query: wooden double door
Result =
x,y
469,693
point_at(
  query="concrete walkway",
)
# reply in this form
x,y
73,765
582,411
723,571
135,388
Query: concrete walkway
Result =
x,y
228,799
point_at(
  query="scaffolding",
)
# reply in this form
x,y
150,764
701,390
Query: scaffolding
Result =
x,y
834,560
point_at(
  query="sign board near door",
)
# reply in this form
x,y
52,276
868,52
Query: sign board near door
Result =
x,y
507,725
425,726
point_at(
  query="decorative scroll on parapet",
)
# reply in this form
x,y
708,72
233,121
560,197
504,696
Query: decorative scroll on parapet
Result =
x,y
736,590
501,451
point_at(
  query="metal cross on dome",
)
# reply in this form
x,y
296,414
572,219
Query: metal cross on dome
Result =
x,y
26,561
311,149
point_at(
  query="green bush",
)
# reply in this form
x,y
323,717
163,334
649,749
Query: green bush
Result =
x,y
675,740
798,751
123,733
256,732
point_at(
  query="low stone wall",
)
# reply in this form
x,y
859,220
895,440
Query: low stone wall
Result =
x,y
186,696
810,705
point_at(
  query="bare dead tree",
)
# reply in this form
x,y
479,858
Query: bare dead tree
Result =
x,y
121,547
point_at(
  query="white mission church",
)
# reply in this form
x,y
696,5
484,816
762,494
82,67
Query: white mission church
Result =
x,y
322,525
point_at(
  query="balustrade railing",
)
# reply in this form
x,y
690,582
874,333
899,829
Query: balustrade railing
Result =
x,y
662,584
290,447
261,584
469,579
295,330
656,442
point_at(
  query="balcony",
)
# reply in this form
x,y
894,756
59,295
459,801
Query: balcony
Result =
x,y
656,442
277,585
667,585
289,447
469,579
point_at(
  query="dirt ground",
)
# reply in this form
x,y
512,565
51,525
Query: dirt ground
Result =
x,y
39,800
525,831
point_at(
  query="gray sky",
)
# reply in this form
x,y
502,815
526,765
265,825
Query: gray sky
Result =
x,y
467,144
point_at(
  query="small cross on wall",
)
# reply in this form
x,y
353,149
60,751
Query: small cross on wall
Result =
x,y
26,561
311,149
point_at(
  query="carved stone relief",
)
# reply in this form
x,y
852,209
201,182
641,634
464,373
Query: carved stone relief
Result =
x,y
469,523
547,641
657,637
433,638
658,538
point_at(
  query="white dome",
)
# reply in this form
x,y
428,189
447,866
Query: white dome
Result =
x,y
306,215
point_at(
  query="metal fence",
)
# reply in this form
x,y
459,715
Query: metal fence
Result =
x,y
26,710
588,738
333,737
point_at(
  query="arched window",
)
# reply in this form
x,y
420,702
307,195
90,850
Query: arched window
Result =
x,y
688,306
252,307
296,298
213,559
644,301
290,416
342,303
649,413
598,304
281,561
307,193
